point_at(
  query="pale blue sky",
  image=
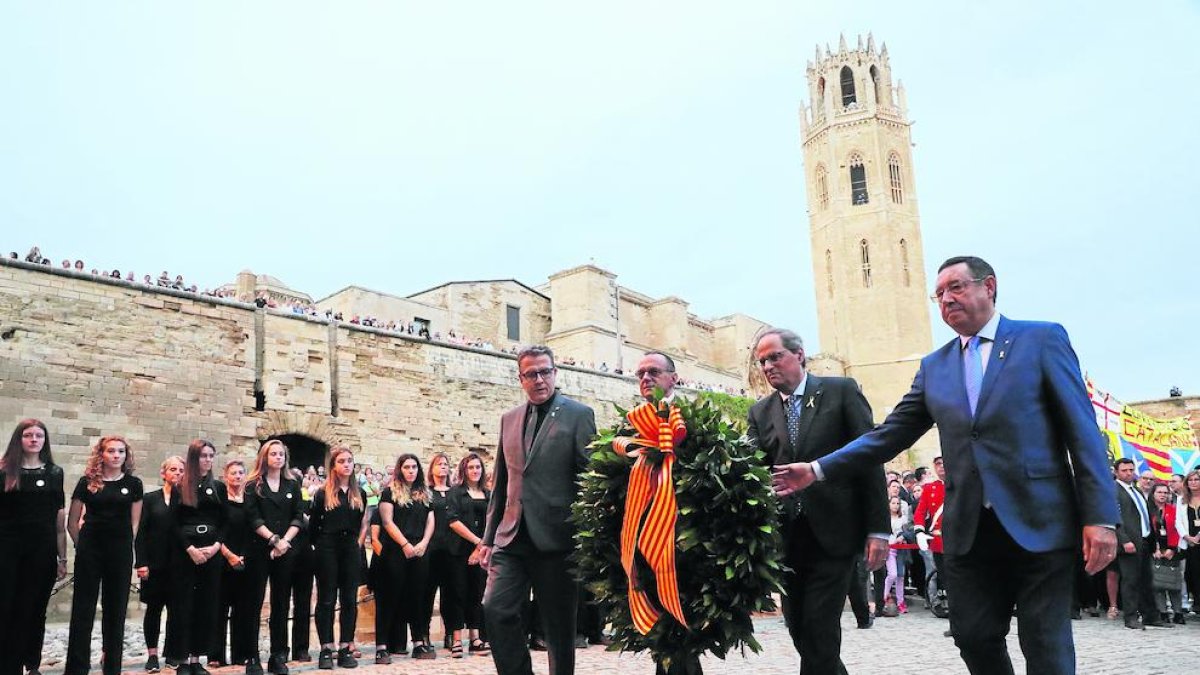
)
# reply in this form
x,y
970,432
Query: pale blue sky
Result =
x,y
398,145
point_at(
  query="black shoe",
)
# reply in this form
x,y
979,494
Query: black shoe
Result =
x,y
1076,614
198,669
868,623
1094,612
277,664
1133,623
254,666
424,652
151,664
1157,623
171,663
537,644
346,659
183,668
382,658
948,634
581,642
1179,619
303,656
601,639
325,660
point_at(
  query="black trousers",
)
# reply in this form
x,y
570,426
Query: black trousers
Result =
x,y
441,572
28,567
1191,575
192,611
469,582
303,575
337,579
514,570
103,562
814,595
155,594
260,569
858,591
1137,583
237,619
401,604
994,579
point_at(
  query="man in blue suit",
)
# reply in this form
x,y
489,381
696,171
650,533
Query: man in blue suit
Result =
x,y
1027,479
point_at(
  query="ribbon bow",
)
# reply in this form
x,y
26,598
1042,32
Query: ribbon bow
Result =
x,y
651,492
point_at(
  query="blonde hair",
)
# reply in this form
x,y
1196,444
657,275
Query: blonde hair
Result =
x,y
94,471
260,465
353,494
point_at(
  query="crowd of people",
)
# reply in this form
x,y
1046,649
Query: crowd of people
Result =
x,y
208,542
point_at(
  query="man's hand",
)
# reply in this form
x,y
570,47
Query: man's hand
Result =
x,y
876,553
787,479
1128,547
485,556
1099,547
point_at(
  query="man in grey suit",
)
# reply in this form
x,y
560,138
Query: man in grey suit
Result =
x,y
529,536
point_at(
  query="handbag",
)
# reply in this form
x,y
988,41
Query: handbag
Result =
x,y
1167,576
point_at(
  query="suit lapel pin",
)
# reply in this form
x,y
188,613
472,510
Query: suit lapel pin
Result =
x,y
1000,355
812,402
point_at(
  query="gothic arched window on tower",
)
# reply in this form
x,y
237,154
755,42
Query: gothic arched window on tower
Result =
x,y
829,272
897,182
819,108
904,273
847,78
858,180
822,187
879,98
866,263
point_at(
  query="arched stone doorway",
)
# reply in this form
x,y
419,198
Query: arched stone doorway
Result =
x,y
303,451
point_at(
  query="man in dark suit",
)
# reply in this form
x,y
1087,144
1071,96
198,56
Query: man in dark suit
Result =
x,y
529,535
1026,472
823,530
1136,542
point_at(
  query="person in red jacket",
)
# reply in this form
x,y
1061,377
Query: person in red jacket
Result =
x,y
1166,550
927,521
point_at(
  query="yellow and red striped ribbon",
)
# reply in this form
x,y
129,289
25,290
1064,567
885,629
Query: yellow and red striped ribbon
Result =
x,y
652,492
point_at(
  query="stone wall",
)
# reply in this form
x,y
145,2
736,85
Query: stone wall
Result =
x,y
93,356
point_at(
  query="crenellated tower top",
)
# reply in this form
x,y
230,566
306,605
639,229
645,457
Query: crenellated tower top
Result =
x,y
850,84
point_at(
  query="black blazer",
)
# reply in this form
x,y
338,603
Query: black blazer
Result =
x,y
277,510
833,412
152,546
1130,527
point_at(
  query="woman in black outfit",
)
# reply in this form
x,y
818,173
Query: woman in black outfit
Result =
x,y
235,609
152,553
468,516
1189,506
304,570
335,519
112,499
198,523
408,524
275,520
439,553
33,543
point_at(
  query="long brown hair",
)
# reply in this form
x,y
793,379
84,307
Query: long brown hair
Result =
x,y
462,471
433,460
191,471
260,469
405,493
331,488
11,463
1188,495
94,471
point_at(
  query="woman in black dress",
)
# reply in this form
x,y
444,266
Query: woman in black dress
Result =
x,y
408,526
275,520
335,520
439,553
198,527
111,498
235,609
33,542
152,554
468,516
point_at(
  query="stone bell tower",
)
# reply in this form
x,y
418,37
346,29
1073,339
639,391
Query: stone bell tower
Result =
x,y
868,266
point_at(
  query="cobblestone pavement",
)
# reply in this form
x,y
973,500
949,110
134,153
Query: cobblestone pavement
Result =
x,y
1103,647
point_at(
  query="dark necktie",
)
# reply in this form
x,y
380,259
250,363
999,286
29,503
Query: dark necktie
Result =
x,y
532,423
793,419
